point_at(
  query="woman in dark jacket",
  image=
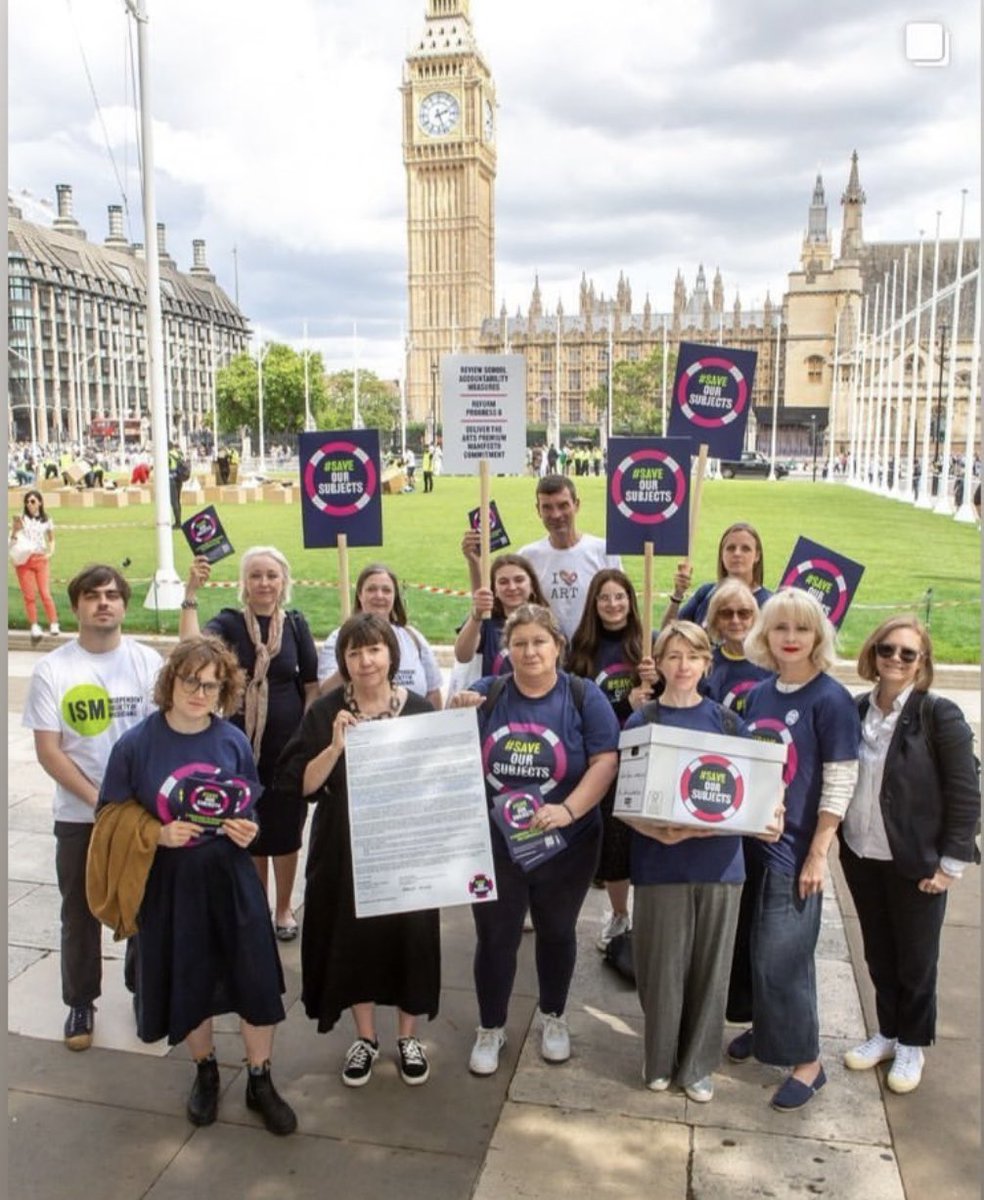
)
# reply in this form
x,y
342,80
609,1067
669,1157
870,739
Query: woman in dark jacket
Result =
x,y
906,838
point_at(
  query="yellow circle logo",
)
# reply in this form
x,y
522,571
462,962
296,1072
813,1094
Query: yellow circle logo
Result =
x,y
87,709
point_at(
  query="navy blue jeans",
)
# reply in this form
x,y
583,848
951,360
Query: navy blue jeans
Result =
x,y
784,934
554,893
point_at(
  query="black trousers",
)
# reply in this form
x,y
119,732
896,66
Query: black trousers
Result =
x,y
175,488
901,928
81,933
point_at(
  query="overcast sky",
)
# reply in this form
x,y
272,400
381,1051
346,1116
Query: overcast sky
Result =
x,y
640,136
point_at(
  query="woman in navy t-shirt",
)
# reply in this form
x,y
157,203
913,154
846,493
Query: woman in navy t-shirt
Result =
x,y
740,556
687,889
774,975
730,616
607,647
514,582
549,745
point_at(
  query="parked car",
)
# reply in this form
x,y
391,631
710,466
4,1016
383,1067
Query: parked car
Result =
x,y
750,464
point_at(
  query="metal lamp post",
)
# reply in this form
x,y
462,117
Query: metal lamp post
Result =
x,y
939,398
435,371
813,431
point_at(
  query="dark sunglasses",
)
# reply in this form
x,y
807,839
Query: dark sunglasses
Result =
x,y
905,653
743,614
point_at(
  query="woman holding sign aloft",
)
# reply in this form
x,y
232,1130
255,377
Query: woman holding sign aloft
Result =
x,y
774,974
740,556
687,889
512,582
346,961
206,946
549,745
275,648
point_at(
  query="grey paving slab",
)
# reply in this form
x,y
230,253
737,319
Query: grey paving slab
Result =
x,y
32,814
19,958
17,889
555,1154
61,1149
31,856
840,1009
749,1166
34,918
257,1166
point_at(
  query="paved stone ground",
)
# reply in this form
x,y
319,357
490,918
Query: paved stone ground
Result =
x,y
110,1122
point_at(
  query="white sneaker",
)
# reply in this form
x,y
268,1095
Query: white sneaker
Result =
x,y
612,926
906,1072
702,1091
660,1084
36,632
55,629
875,1050
485,1053
555,1038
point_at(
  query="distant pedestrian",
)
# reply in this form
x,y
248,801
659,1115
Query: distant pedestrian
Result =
x,y
427,466
410,462
32,543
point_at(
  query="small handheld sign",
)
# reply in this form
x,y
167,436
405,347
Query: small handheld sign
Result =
x,y
648,495
830,577
205,535
512,815
340,487
498,538
202,794
712,396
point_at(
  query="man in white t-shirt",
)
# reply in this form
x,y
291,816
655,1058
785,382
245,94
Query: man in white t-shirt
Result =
x,y
82,697
565,561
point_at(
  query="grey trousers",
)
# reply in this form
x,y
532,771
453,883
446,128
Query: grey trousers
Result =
x,y
682,940
81,933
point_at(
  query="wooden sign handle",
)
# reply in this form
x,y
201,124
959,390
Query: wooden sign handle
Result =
x,y
698,487
485,492
343,576
647,597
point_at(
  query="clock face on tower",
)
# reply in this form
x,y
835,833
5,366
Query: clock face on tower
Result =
x,y
439,113
488,121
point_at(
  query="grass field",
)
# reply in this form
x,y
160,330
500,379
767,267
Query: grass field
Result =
x,y
905,551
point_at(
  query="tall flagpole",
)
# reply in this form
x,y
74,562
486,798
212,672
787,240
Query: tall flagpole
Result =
x,y
887,467
910,454
166,591
662,431
899,489
308,420
775,400
611,368
356,415
944,504
868,479
834,402
857,373
925,499
966,512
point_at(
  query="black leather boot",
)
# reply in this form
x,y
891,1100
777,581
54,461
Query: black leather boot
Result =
x,y
263,1097
203,1103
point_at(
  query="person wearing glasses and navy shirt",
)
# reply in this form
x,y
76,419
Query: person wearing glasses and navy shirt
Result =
x,y
907,837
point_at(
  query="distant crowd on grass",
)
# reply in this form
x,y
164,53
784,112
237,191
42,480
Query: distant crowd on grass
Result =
x,y
551,655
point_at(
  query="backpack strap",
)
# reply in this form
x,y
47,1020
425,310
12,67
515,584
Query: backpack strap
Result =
x,y
578,691
729,722
650,710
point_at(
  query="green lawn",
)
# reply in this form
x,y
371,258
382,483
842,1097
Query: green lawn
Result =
x,y
905,552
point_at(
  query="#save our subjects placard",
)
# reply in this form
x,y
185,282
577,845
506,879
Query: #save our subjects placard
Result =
x,y
831,577
648,495
712,396
340,487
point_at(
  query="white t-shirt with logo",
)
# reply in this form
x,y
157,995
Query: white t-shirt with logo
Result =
x,y
418,670
565,575
90,699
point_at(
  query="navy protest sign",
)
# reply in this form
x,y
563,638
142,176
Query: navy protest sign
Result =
x,y
712,396
205,535
831,577
498,538
340,487
648,495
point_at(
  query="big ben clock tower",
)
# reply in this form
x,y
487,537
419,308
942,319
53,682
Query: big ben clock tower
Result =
x,y
449,128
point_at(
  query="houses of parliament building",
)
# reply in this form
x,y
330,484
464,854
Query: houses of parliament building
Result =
x,y
449,154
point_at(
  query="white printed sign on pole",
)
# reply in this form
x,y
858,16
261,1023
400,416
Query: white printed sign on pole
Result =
x,y
484,413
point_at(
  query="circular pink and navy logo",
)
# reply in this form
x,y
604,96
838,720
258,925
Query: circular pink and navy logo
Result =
x,y
615,681
202,528
712,788
519,809
737,697
824,581
770,729
521,752
648,486
340,479
712,392
480,886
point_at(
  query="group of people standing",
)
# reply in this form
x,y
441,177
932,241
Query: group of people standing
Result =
x,y
723,926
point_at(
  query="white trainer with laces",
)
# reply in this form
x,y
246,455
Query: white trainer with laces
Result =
x,y
612,926
555,1038
485,1053
906,1072
875,1050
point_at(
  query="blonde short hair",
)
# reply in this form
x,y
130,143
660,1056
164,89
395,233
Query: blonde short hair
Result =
x,y
534,614
791,604
731,591
281,561
695,637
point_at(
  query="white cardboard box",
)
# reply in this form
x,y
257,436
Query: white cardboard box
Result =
x,y
708,781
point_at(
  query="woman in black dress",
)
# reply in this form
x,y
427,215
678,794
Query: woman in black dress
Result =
x,y
347,961
275,648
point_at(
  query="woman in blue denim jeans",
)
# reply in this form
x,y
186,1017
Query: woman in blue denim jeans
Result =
x,y
774,975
